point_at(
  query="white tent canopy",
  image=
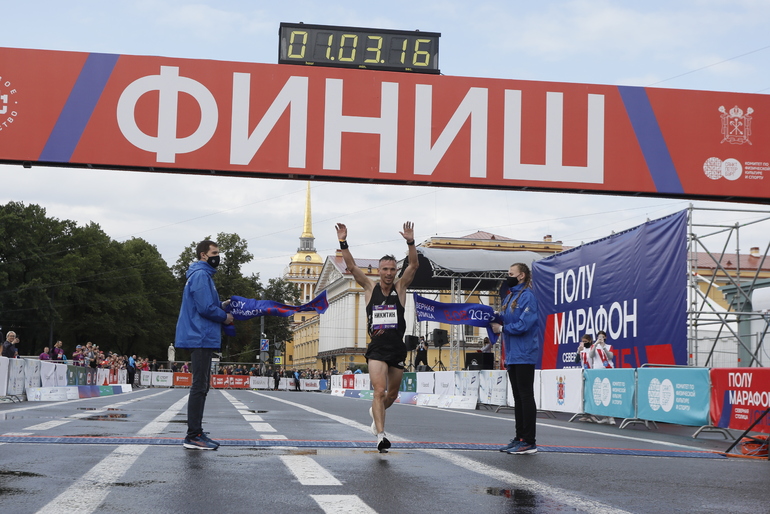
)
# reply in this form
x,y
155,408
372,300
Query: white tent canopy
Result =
x,y
471,261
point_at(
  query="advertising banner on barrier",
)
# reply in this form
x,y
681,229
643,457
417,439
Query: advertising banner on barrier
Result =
x,y
32,373
597,286
408,383
16,376
47,394
739,396
425,382
72,375
674,395
161,379
288,383
122,376
260,382
561,390
4,366
81,374
467,383
230,381
609,392
362,381
493,387
536,387
445,383
336,381
309,384
275,120
61,375
182,379
145,378
349,381
48,374
103,377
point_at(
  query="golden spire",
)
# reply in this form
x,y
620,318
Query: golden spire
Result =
x,y
307,231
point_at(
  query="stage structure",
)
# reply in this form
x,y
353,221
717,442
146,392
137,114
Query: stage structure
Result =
x,y
732,337
464,273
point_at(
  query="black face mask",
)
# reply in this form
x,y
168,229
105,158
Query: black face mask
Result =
x,y
213,261
513,282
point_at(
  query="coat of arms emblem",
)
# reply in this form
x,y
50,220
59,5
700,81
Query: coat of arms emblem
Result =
x,y
736,126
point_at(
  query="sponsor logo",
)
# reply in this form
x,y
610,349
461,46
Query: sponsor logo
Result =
x,y
9,105
736,126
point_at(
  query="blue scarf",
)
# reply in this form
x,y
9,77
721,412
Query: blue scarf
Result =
x,y
246,308
474,314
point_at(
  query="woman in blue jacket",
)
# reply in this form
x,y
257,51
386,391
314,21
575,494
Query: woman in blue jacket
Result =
x,y
521,339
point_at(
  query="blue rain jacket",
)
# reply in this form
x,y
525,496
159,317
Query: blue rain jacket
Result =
x,y
521,329
201,315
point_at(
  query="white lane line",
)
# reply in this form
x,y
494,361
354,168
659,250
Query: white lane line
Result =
x,y
262,427
342,504
273,436
308,471
69,402
475,466
569,429
249,415
88,493
48,425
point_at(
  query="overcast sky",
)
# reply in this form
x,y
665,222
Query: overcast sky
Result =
x,y
687,44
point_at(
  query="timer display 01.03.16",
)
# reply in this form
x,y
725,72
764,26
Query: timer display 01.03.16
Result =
x,y
351,47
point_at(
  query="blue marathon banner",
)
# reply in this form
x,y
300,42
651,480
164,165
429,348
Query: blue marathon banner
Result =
x,y
680,396
474,314
632,285
247,308
609,392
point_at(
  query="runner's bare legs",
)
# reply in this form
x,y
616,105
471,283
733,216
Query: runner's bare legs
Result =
x,y
385,381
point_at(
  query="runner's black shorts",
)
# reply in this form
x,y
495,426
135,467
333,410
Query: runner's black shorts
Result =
x,y
392,353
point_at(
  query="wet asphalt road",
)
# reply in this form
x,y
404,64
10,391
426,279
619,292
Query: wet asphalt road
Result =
x,y
311,452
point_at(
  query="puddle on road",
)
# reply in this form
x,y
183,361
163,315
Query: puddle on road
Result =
x,y
107,417
97,408
522,500
9,473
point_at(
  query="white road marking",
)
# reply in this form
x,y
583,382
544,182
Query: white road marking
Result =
x,y
342,504
262,427
308,471
273,436
48,425
475,466
252,417
87,493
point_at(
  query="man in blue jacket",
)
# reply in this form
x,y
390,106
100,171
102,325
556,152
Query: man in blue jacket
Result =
x,y
199,328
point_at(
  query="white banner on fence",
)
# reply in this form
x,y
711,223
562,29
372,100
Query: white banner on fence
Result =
x,y
47,374
286,383
72,392
102,376
536,386
47,394
445,383
308,384
162,378
463,402
32,373
16,376
145,378
493,386
336,381
122,376
361,382
467,383
425,382
61,375
561,390
259,382
4,375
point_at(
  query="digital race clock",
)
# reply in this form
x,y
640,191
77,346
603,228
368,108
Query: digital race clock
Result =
x,y
351,47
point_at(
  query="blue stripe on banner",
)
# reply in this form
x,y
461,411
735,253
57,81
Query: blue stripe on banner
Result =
x,y
80,105
650,139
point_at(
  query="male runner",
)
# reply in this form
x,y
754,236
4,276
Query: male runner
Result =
x,y
385,302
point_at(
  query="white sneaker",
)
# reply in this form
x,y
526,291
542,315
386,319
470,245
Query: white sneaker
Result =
x,y
374,425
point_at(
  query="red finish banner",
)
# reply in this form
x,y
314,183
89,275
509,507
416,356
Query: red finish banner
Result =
x,y
739,396
230,381
168,114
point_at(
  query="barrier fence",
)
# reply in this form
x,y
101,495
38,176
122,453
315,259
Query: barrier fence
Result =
x,y
727,398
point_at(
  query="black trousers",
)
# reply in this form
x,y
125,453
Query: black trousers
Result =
x,y
200,359
422,356
522,377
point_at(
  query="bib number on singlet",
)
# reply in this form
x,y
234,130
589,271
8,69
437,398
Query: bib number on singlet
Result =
x,y
384,317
